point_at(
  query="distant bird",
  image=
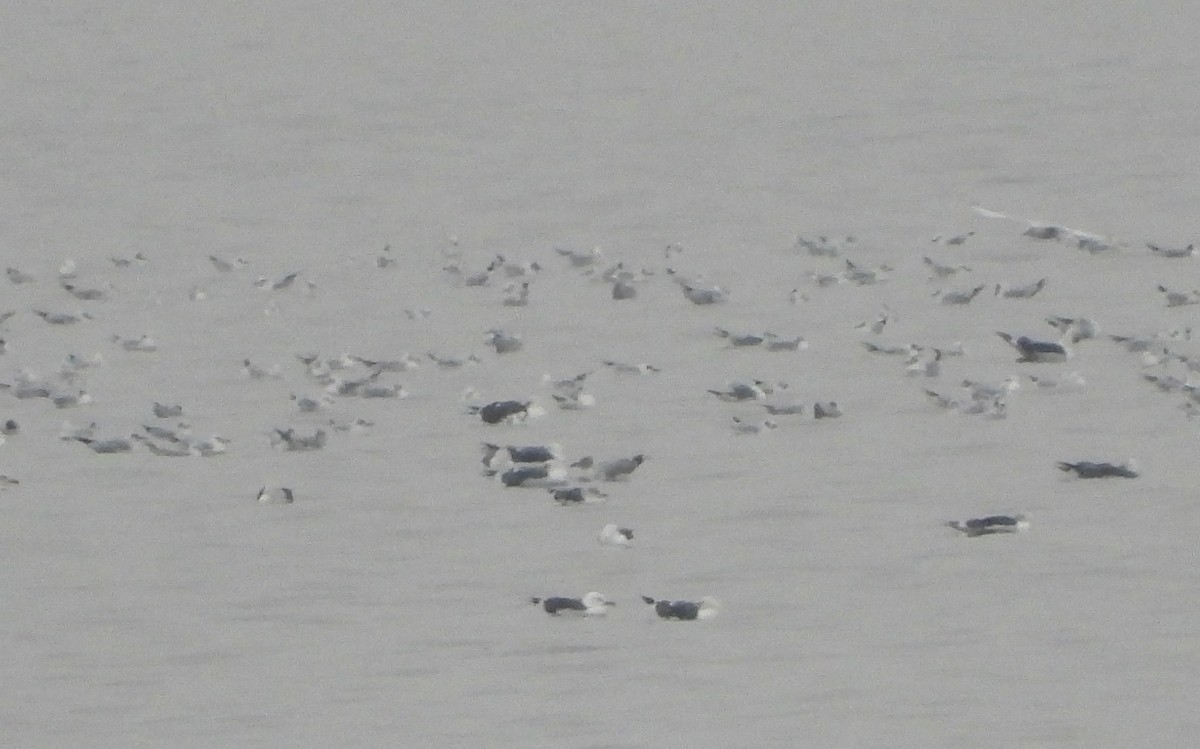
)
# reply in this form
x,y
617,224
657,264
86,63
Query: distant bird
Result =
x,y
705,608
942,270
1172,252
504,343
742,391
1075,329
1089,470
256,372
86,295
703,296
612,535
954,240
1036,351
285,281
541,475
827,410
62,318
498,411
516,296
1093,243
776,343
961,297
275,495
143,343
1180,298
739,340
578,495
126,262
106,446
631,368
981,391
592,604
450,362
745,427
615,470
991,524
581,259
1072,380
18,277
1021,292
292,442
623,290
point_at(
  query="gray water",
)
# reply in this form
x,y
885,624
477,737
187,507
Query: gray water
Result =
x,y
153,602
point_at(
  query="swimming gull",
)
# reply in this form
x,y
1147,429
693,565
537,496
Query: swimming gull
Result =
x,y
1172,252
541,475
19,277
742,391
1075,329
942,270
1180,298
62,318
990,525
275,495
746,427
826,410
1036,351
578,495
706,608
499,411
106,446
960,297
642,368
1021,292
613,535
503,343
164,411
615,470
1089,470
592,604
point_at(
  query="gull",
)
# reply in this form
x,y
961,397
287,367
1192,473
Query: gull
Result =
x,y
875,348
960,297
941,270
745,427
820,247
1179,298
578,402
941,401
503,343
215,445
10,427
66,269
516,296
256,372
1036,351
7,481
616,470
581,259
860,276
168,435
784,409
827,410
642,368
990,525
449,362
71,432
1021,292
226,266
275,495
623,290
498,411
528,453
126,262
739,340
106,446
86,295
1072,380
515,270
143,343
290,441
342,386
533,475
403,364
881,321
823,279
417,314
175,451
982,391
62,318
702,296
592,604
285,282
18,277
915,367
1089,470
1172,252
741,391
613,535
706,608
1037,230
385,259
69,400
1076,328
776,343
578,495
955,240
383,391
358,426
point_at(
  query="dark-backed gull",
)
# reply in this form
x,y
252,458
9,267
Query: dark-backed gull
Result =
x,y
592,604
1036,351
614,535
1089,470
706,608
990,525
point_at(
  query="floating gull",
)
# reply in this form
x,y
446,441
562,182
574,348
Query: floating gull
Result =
x,y
642,368
540,475
1075,328
623,290
255,372
578,495
10,427
1172,252
498,411
62,318
292,442
953,240
530,453
450,362
1036,351
516,296
705,608
18,277
1089,470
106,446
987,391
86,295
275,495
1072,380
1021,292
1179,298
960,297
827,410
66,269
742,391
739,340
880,322
820,247
143,343
383,391
581,259
612,535
784,409
180,450
1084,240
991,524
861,276
776,343
702,296
592,604
941,270
615,470
577,402
875,348
745,427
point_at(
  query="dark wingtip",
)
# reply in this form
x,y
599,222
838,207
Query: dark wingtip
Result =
x,y
648,600
535,600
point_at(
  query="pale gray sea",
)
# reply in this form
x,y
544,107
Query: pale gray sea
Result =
x,y
152,602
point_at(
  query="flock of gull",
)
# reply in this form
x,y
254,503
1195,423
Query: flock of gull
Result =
x,y
344,382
